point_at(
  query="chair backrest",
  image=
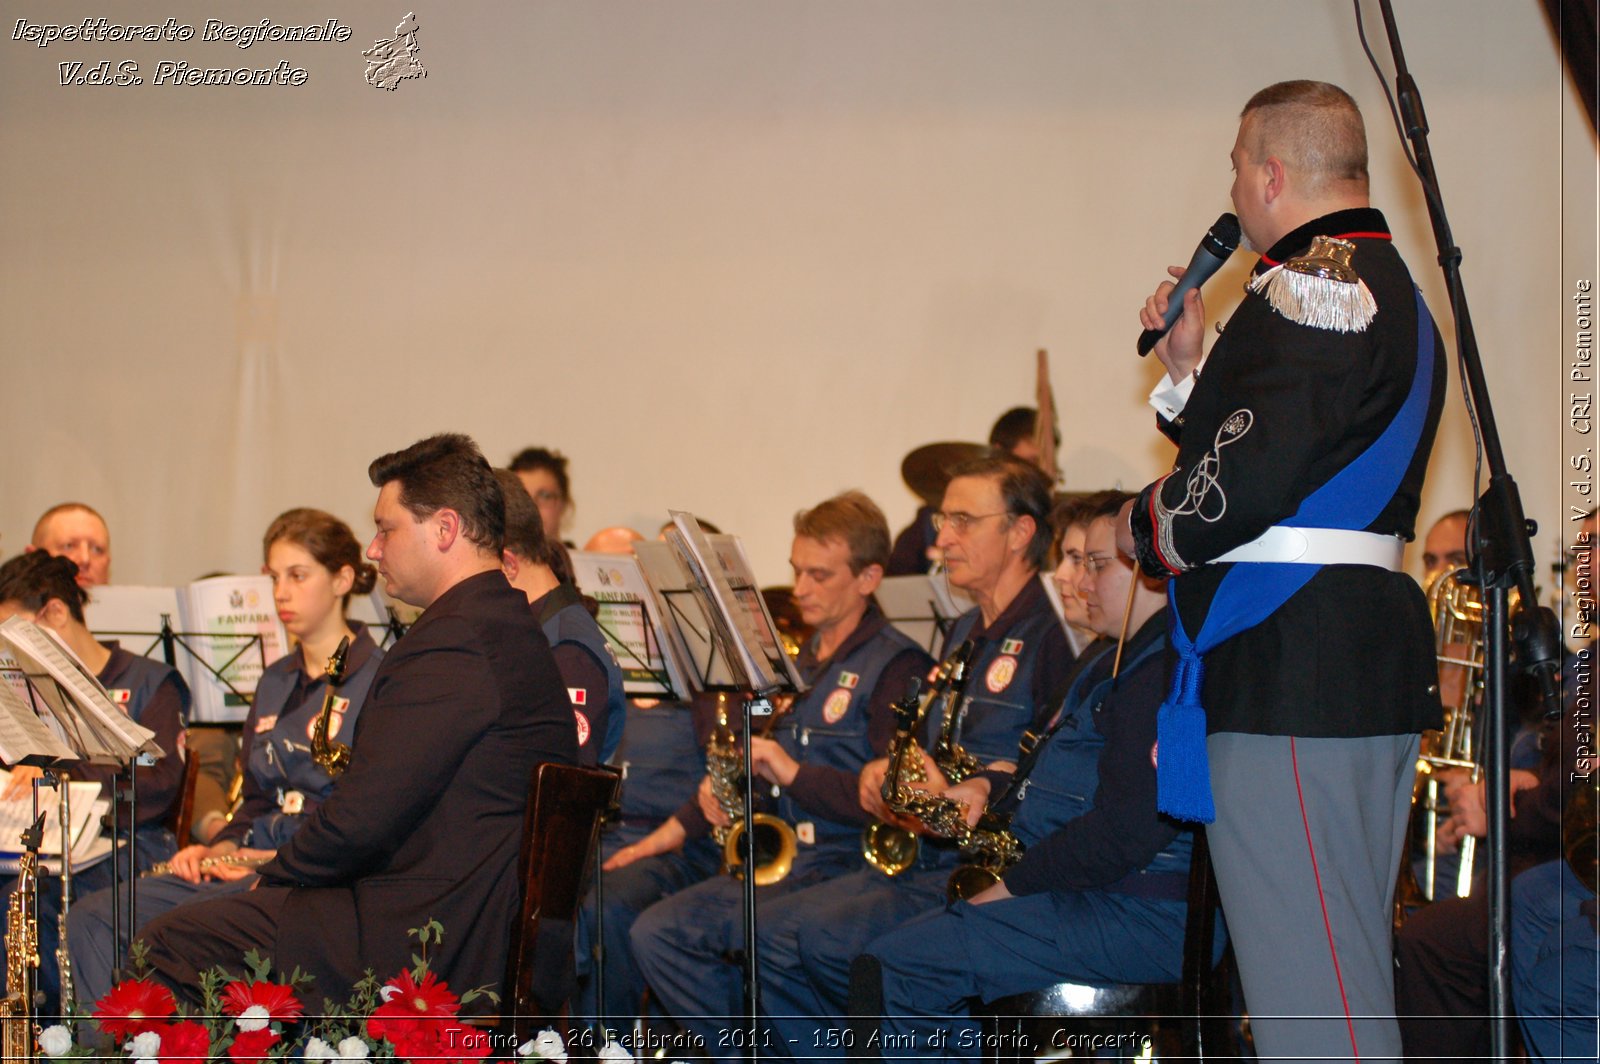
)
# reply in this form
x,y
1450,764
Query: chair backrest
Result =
x,y
559,831
182,817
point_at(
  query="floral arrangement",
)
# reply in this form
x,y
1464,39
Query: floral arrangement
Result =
x,y
250,1018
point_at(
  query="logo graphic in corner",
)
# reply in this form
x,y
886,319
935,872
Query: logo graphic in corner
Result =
x,y
1000,673
389,62
837,705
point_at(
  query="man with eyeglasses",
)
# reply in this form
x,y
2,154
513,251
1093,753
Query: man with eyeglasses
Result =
x,y
995,534
1099,895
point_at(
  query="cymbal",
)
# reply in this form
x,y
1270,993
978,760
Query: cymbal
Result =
x,y
926,470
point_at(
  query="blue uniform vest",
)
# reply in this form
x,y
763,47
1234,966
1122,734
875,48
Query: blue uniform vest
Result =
x,y
999,688
280,754
661,761
571,624
828,724
1061,783
141,679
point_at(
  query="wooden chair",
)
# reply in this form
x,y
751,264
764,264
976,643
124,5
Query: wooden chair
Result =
x,y
1200,1003
559,830
182,816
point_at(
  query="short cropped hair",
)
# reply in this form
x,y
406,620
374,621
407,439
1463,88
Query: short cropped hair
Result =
x,y
1026,492
63,508
524,527
33,578
447,472
1314,127
853,519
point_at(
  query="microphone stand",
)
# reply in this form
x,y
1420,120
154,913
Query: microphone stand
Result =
x,y
1500,551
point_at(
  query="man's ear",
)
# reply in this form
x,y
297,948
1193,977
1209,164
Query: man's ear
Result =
x,y
1276,178
446,529
510,564
1020,534
869,579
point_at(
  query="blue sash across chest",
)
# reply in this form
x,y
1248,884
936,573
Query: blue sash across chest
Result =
x,y
1252,591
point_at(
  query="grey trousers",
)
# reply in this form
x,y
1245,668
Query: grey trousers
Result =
x,y
1306,846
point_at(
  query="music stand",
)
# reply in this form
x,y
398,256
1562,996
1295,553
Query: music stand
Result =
x,y
89,727
742,626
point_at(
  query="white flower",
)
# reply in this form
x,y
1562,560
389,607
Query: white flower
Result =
x,y
353,1048
317,1049
145,1047
614,1051
547,1045
254,1018
55,1040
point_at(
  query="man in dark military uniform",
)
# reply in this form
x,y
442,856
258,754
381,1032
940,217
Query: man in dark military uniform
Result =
x,y
1302,447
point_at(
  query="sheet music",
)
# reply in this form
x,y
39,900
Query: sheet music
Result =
x,y
93,723
225,614
720,564
16,816
24,738
908,604
687,626
630,620
121,610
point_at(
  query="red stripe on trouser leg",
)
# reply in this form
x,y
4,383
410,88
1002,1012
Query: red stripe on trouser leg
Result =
x,y
1333,953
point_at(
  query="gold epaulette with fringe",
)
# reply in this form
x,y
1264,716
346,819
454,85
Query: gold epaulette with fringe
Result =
x,y
1320,289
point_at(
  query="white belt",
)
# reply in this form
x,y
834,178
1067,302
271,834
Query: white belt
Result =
x,y
1320,546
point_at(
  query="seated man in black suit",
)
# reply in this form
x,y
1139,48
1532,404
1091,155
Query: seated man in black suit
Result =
x,y
426,822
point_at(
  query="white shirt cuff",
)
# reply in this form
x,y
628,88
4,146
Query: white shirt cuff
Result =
x,y
1168,398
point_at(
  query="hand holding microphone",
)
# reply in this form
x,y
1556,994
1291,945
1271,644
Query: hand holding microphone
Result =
x,y
1180,304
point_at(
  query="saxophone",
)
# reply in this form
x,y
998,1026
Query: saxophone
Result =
x,y
17,1027
332,756
887,847
990,849
775,841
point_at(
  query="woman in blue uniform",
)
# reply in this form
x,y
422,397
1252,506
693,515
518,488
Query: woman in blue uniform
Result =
x,y
316,565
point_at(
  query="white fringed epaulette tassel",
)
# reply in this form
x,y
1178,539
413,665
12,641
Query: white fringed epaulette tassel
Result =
x,y
1320,289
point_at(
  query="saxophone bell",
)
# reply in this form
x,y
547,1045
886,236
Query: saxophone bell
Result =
x,y
775,841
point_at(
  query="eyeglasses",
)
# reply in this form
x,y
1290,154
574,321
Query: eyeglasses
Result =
x,y
1093,563
545,495
960,522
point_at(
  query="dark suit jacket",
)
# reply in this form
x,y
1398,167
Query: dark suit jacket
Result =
x,y
427,821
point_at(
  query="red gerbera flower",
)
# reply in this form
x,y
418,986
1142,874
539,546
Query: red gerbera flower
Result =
x,y
277,999
413,1039
185,1041
249,1047
134,1006
410,998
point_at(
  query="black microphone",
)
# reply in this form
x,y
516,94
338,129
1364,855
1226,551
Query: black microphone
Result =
x,y
1220,242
